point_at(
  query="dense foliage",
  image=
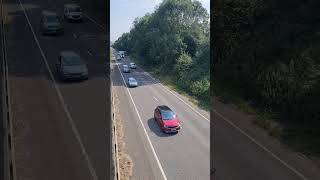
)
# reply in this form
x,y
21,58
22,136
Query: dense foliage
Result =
x,y
175,41
269,50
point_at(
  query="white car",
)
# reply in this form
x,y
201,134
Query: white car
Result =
x,y
125,69
132,82
73,12
133,66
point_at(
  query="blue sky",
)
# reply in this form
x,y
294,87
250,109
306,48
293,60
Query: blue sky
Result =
x,y
123,13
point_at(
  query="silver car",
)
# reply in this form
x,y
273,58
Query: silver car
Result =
x,y
125,69
132,82
71,66
51,23
133,66
73,12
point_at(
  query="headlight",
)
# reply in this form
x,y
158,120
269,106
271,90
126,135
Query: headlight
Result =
x,y
165,126
84,73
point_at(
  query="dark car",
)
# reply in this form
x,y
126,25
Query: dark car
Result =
x,y
167,119
71,66
51,23
73,12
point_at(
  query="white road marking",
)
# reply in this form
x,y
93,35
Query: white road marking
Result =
x,y
155,98
75,36
89,53
261,146
144,129
74,129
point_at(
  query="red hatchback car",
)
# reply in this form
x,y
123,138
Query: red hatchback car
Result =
x,y
167,119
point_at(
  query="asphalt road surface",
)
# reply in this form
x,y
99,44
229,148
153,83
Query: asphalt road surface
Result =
x,y
185,155
240,151
60,128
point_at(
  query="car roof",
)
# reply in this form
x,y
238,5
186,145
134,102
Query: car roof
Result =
x,y
164,108
131,78
69,54
71,5
48,13
132,63
125,65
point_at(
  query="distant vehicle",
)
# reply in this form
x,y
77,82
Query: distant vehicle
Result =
x,y
167,119
132,82
51,23
125,69
122,54
73,12
71,66
118,58
133,65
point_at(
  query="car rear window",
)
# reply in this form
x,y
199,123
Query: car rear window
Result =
x,y
74,9
52,18
72,61
167,115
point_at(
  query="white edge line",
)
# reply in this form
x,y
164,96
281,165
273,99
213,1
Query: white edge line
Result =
x,y
74,129
144,129
261,146
13,158
94,21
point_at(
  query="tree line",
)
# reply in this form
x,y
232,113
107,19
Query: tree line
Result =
x,y
269,51
174,41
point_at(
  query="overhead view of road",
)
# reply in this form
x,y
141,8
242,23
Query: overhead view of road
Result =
x,y
239,150
60,128
156,155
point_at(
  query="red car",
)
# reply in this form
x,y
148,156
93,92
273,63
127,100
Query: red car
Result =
x,y
167,119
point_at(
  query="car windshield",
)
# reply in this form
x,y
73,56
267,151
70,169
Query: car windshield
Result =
x,y
71,61
168,115
74,9
53,19
132,80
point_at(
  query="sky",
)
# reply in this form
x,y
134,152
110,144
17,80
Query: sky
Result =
x,y
123,13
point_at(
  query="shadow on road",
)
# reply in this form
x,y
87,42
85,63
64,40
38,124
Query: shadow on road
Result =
x,y
156,129
139,74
